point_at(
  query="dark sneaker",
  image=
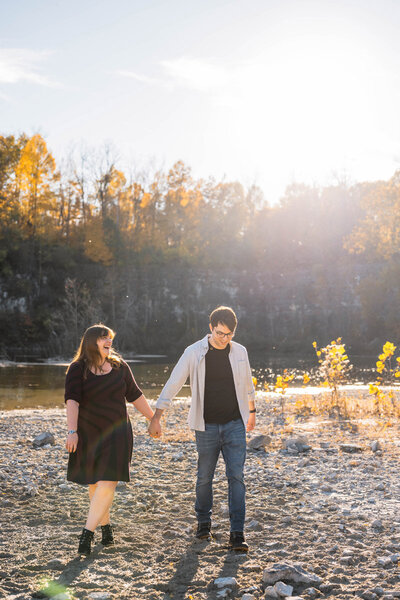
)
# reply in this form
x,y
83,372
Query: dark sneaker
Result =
x,y
204,531
236,541
107,538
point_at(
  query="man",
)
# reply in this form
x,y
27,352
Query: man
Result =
x,y
222,407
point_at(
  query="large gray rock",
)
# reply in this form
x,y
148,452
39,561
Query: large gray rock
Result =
x,y
290,573
259,442
43,439
296,445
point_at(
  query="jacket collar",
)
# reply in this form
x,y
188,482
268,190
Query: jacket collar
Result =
x,y
204,343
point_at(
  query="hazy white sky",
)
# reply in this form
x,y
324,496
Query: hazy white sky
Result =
x,y
261,91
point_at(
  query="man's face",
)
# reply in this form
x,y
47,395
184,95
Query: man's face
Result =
x,y
221,335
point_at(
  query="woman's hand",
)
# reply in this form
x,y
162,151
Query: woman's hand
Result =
x,y
72,442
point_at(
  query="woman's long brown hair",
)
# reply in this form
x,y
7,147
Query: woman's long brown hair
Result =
x,y
88,353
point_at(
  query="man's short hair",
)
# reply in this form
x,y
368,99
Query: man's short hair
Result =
x,y
225,316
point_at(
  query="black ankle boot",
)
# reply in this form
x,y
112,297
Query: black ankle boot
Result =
x,y
85,542
107,538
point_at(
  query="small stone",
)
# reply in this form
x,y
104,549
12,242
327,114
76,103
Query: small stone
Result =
x,y
43,439
385,561
64,486
177,456
377,524
224,593
378,590
259,442
99,596
252,567
312,592
248,597
283,589
271,593
222,582
254,525
395,558
31,490
351,448
375,446
380,487
368,595
326,488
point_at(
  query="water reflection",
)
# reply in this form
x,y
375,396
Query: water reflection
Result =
x,y
27,385
42,385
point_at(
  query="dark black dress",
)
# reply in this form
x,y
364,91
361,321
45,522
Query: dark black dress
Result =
x,y
105,438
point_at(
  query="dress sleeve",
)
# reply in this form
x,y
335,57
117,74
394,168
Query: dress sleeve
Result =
x,y
133,391
73,383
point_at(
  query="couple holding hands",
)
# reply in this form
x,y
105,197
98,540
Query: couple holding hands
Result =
x,y
98,385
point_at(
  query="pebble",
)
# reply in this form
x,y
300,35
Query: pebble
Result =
x,y
351,448
99,596
254,526
283,589
270,592
222,582
385,561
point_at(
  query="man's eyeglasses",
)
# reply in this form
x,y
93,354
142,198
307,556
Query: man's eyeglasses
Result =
x,y
223,335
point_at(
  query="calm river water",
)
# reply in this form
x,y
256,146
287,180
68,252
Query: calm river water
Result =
x,y
36,385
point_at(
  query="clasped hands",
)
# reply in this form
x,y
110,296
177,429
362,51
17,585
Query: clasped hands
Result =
x,y
155,427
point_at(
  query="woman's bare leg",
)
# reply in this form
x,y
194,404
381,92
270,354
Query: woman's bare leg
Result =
x,y
101,496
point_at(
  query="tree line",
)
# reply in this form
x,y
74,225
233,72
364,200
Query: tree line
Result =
x,y
151,252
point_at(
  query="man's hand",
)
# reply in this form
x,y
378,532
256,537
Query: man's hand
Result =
x,y
72,442
155,427
251,423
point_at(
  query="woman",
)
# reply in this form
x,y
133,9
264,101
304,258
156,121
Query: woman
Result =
x,y
99,441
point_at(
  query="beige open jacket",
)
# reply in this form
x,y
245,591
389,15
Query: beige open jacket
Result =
x,y
192,364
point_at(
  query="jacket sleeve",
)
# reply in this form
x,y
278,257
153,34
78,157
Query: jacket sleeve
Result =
x,y
249,381
176,380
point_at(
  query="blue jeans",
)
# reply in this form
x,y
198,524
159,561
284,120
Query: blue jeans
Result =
x,y
230,439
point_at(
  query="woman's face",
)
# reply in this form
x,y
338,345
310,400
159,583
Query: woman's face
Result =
x,y
104,344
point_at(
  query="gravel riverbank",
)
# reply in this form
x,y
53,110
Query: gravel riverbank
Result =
x,y
328,504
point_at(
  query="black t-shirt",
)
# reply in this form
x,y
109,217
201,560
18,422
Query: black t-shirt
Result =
x,y
220,401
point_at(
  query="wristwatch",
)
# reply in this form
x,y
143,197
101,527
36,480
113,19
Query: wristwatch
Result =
x,y
71,431
252,411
